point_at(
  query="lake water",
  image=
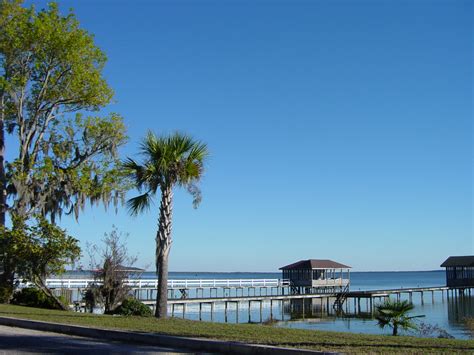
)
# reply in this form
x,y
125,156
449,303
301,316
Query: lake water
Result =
x,y
445,313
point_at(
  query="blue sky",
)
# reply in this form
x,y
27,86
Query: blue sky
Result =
x,y
338,129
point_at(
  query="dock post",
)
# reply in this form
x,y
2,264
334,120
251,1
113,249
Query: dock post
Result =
x,y
249,312
172,310
432,296
371,305
200,311
422,301
442,296
237,312
261,313
225,311
327,305
271,309
410,297
184,309
226,289
358,305
302,307
212,311
282,312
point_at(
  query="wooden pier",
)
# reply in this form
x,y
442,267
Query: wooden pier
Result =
x,y
240,295
337,303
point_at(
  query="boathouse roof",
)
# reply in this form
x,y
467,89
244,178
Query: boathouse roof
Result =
x,y
315,264
467,260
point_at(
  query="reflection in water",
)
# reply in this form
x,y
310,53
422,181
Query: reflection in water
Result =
x,y
460,307
322,308
446,313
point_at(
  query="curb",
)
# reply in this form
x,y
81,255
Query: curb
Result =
x,y
196,344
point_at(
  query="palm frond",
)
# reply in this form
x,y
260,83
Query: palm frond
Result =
x,y
130,164
195,192
395,314
135,171
199,152
139,204
180,144
175,159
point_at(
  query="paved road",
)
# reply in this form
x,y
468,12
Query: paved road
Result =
x,y
26,341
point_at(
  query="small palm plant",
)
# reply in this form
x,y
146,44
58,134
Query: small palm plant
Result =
x,y
395,315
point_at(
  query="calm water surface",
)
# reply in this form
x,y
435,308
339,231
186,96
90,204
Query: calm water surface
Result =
x,y
446,313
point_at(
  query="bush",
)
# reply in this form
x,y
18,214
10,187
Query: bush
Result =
x,y
92,297
470,325
33,297
426,330
133,307
6,293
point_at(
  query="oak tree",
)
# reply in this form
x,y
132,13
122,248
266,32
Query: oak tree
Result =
x,y
51,83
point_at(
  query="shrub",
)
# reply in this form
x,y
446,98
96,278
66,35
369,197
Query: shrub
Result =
x,y
33,297
270,321
92,297
133,307
6,293
426,330
470,325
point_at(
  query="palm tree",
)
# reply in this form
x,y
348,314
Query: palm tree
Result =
x,y
169,161
395,315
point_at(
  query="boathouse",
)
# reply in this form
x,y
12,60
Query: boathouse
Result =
x,y
459,271
317,276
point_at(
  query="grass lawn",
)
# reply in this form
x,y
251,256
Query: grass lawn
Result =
x,y
250,333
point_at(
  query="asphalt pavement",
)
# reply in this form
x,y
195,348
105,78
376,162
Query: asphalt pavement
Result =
x,y
25,341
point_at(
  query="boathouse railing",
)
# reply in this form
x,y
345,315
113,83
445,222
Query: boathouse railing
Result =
x,y
174,284
331,282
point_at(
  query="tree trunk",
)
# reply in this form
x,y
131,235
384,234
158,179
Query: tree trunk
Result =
x,y
3,190
42,286
162,296
163,246
395,330
7,274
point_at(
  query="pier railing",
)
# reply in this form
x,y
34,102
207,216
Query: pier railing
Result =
x,y
331,282
173,284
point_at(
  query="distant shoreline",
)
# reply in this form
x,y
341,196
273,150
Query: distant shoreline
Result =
x,y
263,272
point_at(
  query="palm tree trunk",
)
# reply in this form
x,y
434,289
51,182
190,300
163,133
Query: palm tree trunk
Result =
x,y
162,297
395,330
163,246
